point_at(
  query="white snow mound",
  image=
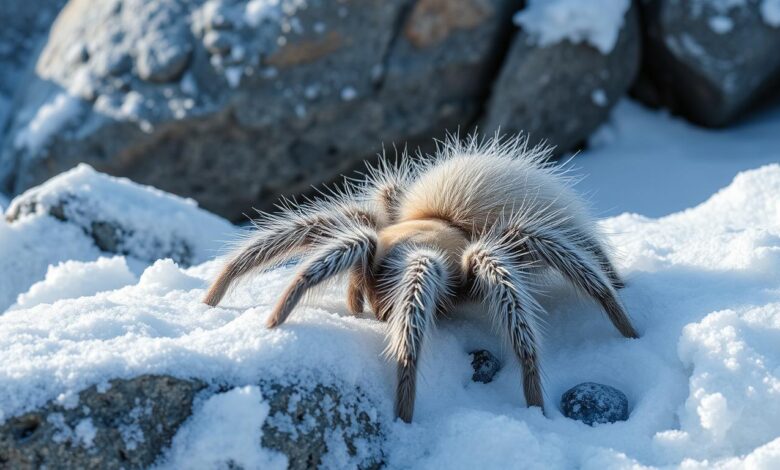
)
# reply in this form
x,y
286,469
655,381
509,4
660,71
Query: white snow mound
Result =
x,y
703,381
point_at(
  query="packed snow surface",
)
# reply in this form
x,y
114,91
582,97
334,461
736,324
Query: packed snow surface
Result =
x,y
703,381
650,163
596,22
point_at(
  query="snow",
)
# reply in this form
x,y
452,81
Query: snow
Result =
x,y
770,12
73,279
703,381
51,118
596,22
721,24
227,428
650,163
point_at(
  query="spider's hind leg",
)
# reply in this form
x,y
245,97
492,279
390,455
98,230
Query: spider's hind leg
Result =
x,y
555,249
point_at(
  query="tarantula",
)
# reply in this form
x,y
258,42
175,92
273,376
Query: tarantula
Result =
x,y
477,220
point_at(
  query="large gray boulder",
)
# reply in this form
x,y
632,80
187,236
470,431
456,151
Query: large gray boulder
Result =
x,y
129,423
709,60
234,102
561,90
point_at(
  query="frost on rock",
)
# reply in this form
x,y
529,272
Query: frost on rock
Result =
x,y
125,218
596,22
50,119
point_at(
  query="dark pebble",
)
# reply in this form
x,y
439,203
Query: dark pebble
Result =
x,y
594,403
485,365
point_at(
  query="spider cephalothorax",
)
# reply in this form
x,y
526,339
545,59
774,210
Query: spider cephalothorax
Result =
x,y
475,221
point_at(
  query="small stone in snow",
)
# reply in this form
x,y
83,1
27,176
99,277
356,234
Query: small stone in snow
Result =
x,y
485,365
594,403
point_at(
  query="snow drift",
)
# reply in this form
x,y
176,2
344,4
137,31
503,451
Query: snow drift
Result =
x,y
703,381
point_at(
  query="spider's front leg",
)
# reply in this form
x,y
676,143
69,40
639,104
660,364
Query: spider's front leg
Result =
x,y
495,271
279,237
416,284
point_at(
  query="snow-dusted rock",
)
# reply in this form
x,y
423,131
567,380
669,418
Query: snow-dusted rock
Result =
x,y
24,26
568,65
594,403
80,216
125,218
709,59
485,365
113,425
234,102
129,423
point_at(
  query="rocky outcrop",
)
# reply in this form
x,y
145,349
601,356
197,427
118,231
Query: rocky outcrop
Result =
x,y
122,217
125,424
561,91
233,102
128,423
709,60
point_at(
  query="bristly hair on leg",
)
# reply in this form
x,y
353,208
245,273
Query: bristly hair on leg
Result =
x,y
353,247
495,265
553,244
277,237
417,284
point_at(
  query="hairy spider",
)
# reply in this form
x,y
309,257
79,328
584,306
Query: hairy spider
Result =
x,y
477,220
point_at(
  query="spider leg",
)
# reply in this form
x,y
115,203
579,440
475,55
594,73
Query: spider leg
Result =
x,y
281,236
417,285
553,249
596,250
351,246
356,285
493,267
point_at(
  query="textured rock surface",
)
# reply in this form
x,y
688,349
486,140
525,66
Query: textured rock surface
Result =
x,y
708,60
563,91
594,403
485,365
124,425
304,420
233,104
129,423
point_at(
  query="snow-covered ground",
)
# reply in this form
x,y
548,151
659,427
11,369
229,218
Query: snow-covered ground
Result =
x,y
703,381
650,163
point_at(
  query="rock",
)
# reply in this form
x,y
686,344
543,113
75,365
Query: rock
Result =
x,y
25,24
125,218
320,416
562,91
594,403
129,423
234,103
126,425
485,365
709,61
